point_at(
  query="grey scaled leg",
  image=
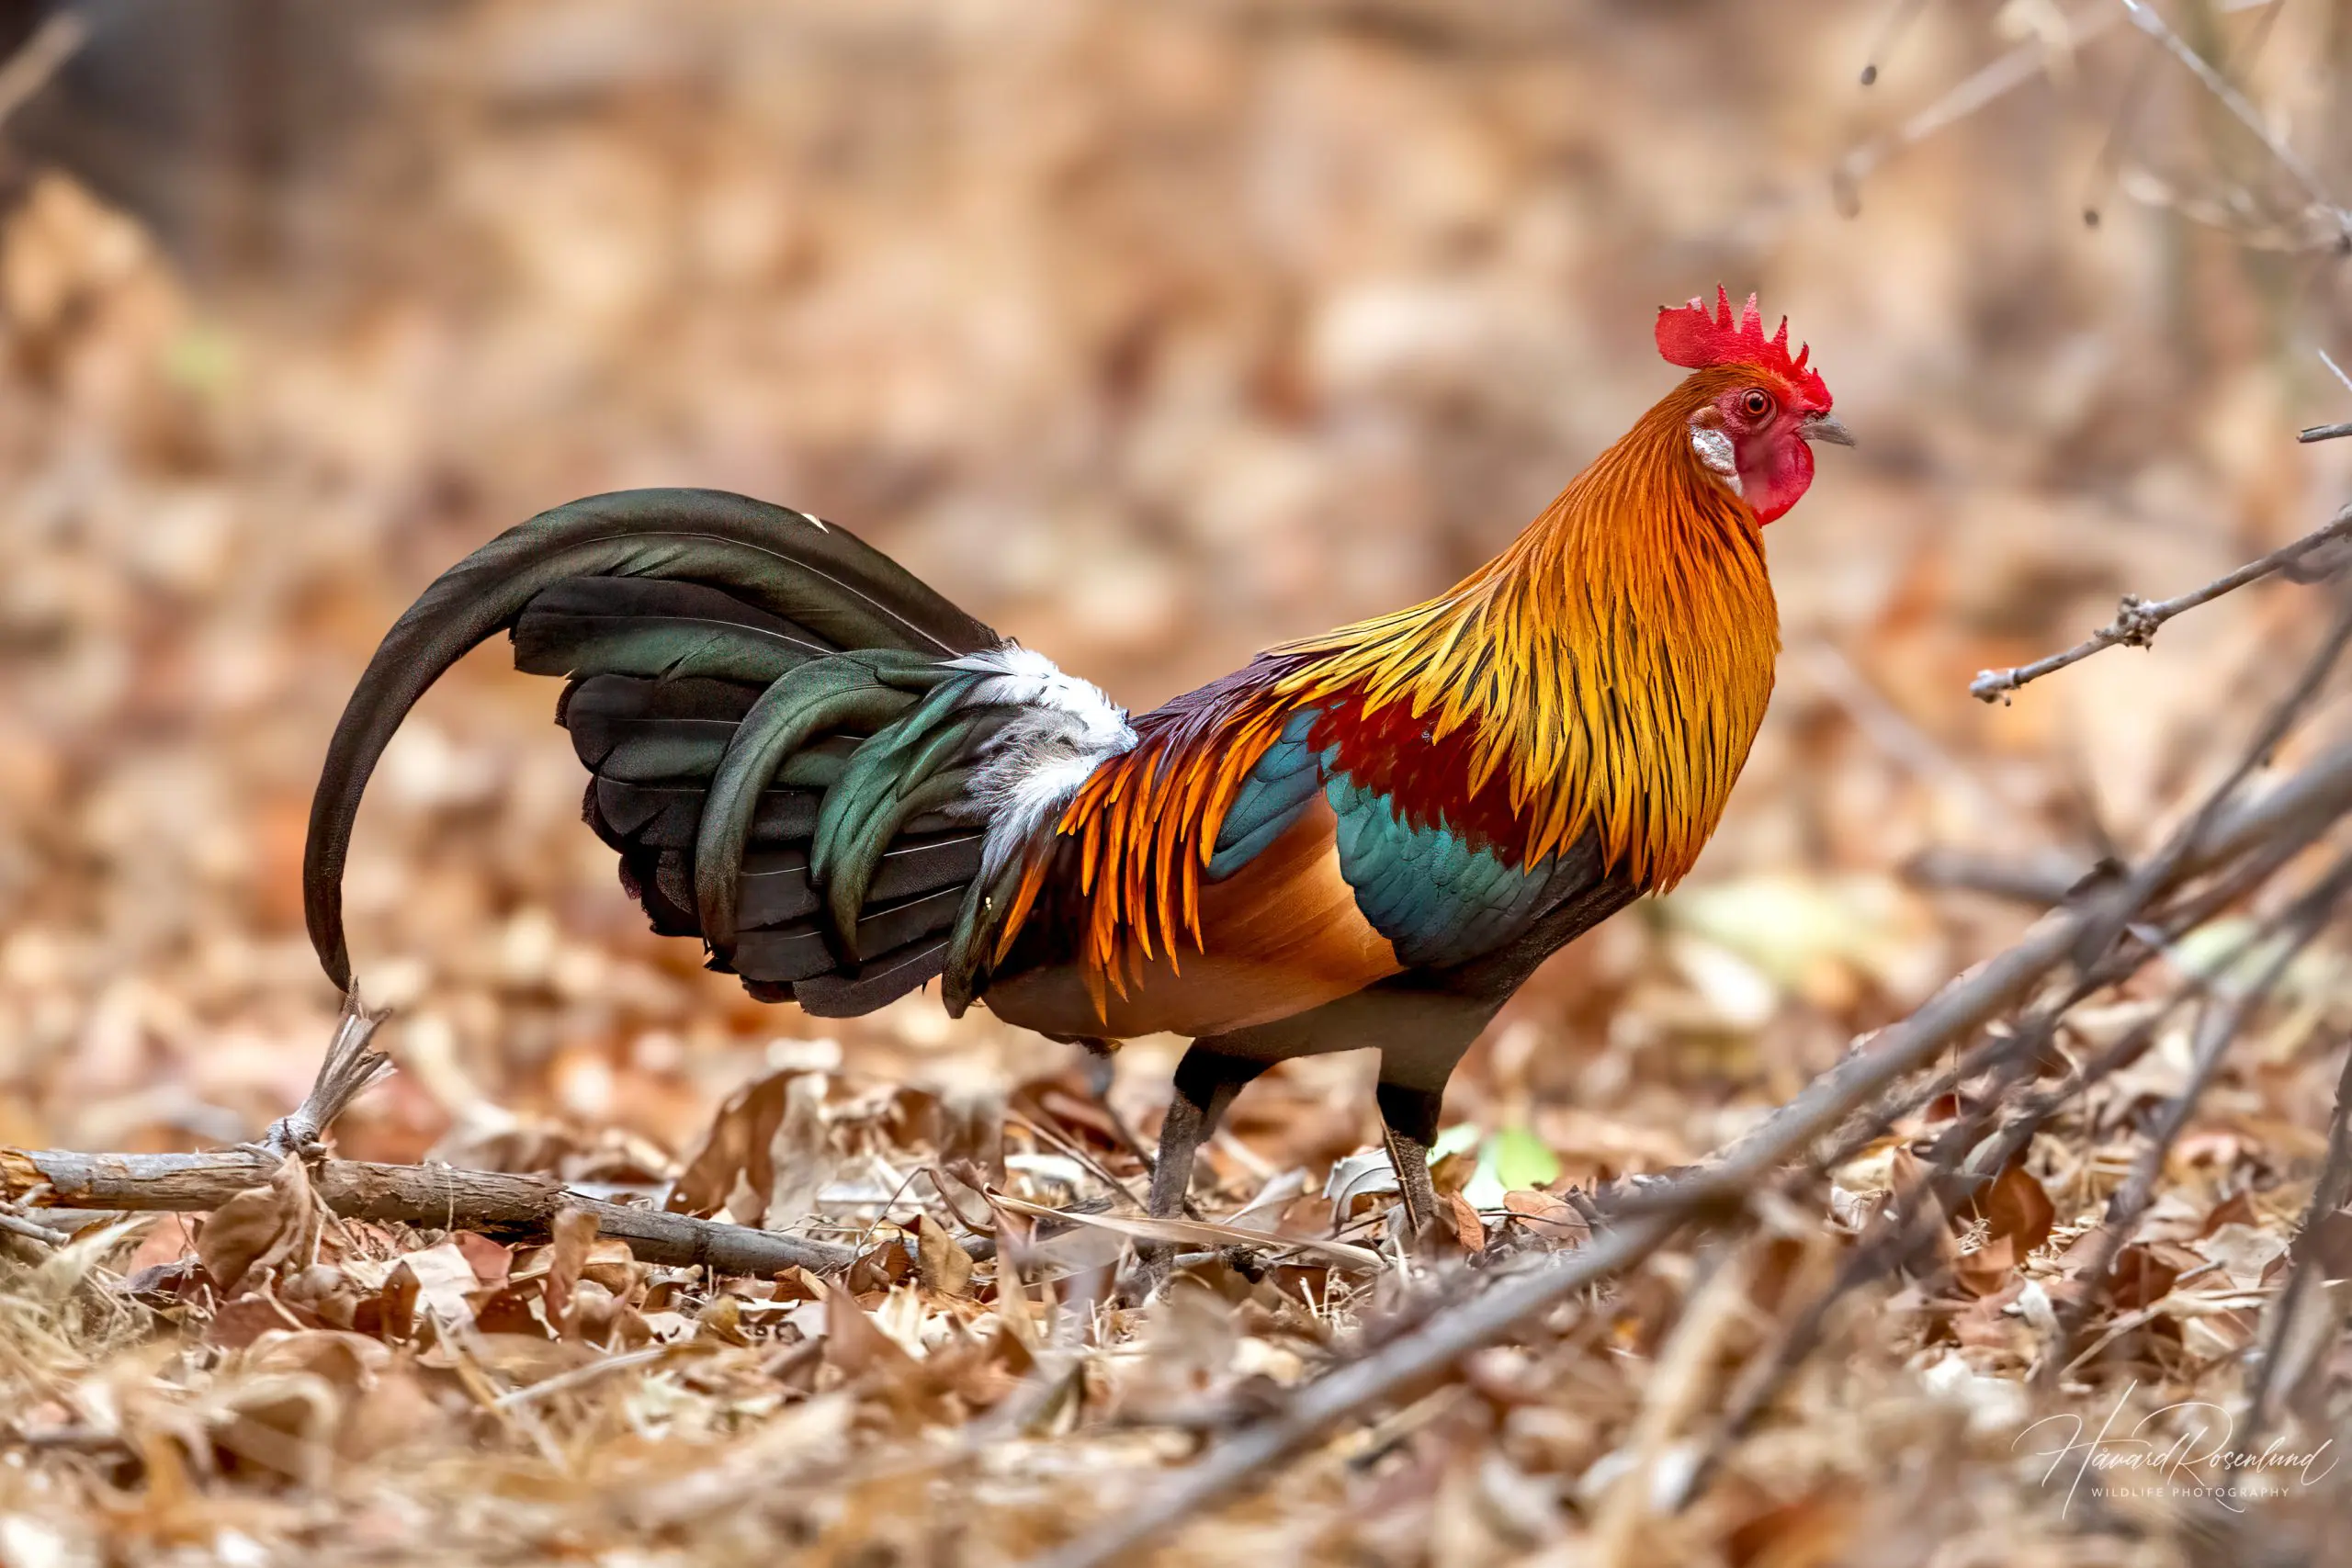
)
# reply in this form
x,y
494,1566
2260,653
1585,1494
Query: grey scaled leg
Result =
x,y
1410,1118
1206,1082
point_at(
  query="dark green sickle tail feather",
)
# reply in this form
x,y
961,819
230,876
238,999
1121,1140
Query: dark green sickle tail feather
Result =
x,y
675,614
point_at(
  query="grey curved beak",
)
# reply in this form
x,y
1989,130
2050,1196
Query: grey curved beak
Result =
x,y
1822,427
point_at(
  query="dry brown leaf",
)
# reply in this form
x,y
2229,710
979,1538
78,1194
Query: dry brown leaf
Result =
x,y
1462,1222
942,1264
326,1291
352,1362
1810,1532
261,1228
1555,1219
735,1164
801,1157
855,1344
285,1423
1988,1268
2237,1208
573,1231
241,1322
2140,1278
2015,1207
2244,1252
438,1281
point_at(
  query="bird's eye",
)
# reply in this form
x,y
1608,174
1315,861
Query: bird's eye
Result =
x,y
1756,403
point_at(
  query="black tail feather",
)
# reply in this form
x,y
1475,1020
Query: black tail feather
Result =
x,y
879,980
796,575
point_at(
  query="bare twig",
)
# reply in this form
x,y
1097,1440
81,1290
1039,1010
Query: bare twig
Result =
x,y
59,37
1686,1365
2136,619
2004,75
2145,18
2041,882
2179,850
2328,1193
30,1230
493,1202
2224,1017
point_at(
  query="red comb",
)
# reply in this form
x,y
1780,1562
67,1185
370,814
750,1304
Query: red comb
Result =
x,y
1695,338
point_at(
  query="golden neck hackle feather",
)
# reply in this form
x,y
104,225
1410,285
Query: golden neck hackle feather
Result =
x,y
1614,663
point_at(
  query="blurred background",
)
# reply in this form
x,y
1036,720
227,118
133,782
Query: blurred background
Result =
x,y
1153,334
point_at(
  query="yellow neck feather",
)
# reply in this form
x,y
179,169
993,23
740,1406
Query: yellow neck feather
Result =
x,y
1614,663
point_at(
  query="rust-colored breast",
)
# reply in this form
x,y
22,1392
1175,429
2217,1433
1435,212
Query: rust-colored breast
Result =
x,y
1280,935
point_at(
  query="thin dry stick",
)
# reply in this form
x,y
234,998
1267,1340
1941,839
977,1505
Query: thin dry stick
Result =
x,y
1252,1456
1910,1229
1686,1365
2328,1193
59,37
2004,75
29,1229
2293,832
2136,619
1913,1225
2145,18
2219,1029
2109,923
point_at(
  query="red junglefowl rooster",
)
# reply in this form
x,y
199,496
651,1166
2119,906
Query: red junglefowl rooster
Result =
x,y
848,787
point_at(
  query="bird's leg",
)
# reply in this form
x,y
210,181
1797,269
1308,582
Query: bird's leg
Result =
x,y
1206,1082
1409,1118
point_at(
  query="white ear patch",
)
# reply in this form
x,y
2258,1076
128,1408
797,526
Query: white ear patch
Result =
x,y
1715,452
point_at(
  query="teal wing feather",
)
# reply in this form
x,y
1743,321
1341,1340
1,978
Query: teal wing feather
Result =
x,y
1442,899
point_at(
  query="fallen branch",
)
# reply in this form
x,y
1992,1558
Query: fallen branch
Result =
x,y
2217,1030
2287,1351
2136,619
2041,882
495,1204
